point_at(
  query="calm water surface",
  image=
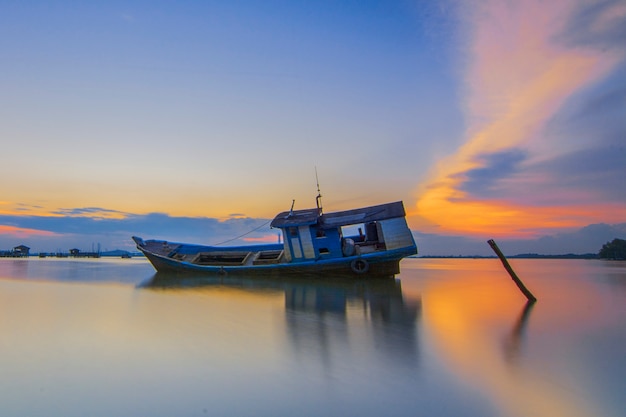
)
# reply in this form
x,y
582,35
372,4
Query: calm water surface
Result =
x,y
448,337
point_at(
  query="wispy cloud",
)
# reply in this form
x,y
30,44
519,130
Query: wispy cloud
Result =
x,y
91,212
527,66
79,230
11,207
24,233
262,239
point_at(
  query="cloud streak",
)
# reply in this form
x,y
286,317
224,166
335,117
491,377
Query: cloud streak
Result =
x,y
528,64
55,233
49,233
91,212
24,233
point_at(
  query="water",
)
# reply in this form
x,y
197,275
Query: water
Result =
x,y
449,337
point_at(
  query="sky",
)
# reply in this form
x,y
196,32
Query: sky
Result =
x,y
201,120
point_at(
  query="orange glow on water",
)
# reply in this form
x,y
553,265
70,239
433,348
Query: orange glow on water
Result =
x,y
479,328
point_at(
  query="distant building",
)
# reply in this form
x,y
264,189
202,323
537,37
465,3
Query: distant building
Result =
x,y
17,252
76,253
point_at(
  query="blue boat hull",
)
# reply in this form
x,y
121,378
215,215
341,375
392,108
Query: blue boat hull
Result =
x,y
366,265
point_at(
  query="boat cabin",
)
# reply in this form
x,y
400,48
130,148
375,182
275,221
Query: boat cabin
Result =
x,y
312,235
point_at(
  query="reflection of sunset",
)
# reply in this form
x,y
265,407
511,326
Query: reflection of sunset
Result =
x,y
449,337
471,327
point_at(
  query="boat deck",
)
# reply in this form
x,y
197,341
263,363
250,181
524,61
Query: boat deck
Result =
x,y
238,258
214,257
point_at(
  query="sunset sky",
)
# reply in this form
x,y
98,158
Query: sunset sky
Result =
x,y
200,120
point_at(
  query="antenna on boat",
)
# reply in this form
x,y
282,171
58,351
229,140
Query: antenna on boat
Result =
x,y
318,199
293,202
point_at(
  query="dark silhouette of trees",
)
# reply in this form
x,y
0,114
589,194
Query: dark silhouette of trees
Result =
x,y
615,249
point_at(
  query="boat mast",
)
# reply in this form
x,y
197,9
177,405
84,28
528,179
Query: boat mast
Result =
x,y
318,199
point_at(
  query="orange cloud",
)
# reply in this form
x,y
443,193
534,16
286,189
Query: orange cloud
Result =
x,y
518,77
262,239
444,211
13,209
23,232
8,208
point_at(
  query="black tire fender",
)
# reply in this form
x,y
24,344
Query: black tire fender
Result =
x,y
359,266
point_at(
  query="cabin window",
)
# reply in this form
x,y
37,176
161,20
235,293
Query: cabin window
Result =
x,y
293,231
354,232
362,232
324,251
320,233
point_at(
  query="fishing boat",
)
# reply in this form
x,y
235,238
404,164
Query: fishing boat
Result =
x,y
369,241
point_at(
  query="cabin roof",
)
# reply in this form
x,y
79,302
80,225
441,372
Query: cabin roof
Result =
x,y
339,218
295,218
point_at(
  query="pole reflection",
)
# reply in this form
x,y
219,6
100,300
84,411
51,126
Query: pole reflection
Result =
x,y
513,342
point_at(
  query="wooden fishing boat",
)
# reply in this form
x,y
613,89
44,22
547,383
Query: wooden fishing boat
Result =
x,y
367,241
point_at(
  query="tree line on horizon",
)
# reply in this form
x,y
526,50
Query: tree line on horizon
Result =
x,y
616,249
613,250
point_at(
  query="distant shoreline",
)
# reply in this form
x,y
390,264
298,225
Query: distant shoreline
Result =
x,y
119,253
105,254
518,256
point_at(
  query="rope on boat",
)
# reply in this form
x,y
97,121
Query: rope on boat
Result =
x,y
240,236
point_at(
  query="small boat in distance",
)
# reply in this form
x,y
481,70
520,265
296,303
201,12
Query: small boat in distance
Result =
x,y
367,241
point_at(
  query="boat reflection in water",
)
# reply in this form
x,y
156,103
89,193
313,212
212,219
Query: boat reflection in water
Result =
x,y
325,317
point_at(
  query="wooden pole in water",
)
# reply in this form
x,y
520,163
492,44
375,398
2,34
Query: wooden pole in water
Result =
x,y
531,298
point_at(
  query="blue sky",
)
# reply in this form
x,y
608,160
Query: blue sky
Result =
x,y
201,120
